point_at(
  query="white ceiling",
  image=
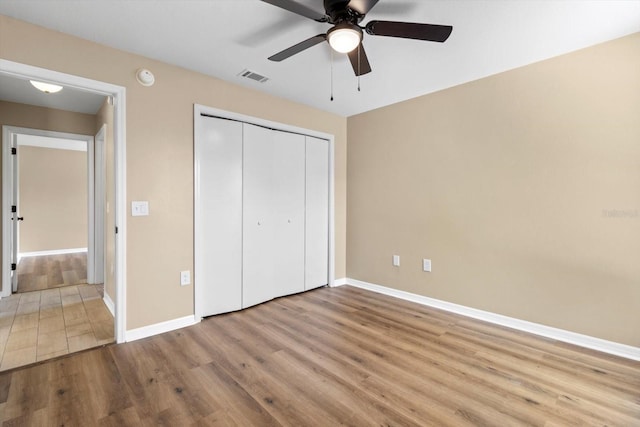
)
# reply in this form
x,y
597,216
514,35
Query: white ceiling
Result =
x,y
223,37
15,89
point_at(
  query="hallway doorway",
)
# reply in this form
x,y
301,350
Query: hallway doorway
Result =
x,y
58,312
55,307
54,192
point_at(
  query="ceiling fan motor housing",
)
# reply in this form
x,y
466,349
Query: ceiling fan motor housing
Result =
x,y
338,12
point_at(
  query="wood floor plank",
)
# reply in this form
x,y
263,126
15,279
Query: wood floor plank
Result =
x,y
5,382
303,382
328,357
384,360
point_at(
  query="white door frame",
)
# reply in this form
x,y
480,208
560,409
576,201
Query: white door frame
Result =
x,y
99,188
118,95
8,133
198,237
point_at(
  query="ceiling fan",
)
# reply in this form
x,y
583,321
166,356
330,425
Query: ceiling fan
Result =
x,y
345,36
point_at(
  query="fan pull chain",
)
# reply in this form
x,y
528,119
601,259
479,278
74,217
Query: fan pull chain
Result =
x,y
331,62
359,48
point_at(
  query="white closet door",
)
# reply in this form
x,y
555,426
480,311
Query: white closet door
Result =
x,y
259,229
218,235
288,203
317,213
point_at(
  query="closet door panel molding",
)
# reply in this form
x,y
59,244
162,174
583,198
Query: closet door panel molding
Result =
x,y
218,225
288,246
259,219
317,213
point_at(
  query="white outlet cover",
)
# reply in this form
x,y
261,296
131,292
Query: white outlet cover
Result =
x,y
426,265
185,278
396,260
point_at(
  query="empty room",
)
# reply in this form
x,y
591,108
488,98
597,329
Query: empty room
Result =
x,y
316,213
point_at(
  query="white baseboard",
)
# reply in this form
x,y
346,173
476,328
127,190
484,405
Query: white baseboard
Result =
x,y
52,252
109,303
610,347
340,282
159,328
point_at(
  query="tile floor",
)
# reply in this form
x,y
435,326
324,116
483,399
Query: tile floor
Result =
x,y
41,325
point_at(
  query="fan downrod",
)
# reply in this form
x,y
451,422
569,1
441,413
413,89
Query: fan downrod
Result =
x,y
338,11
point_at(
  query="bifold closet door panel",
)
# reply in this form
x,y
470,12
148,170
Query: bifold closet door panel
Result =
x,y
219,233
317,213
288,203
259,230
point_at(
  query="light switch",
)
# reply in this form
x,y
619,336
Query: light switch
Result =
x,y
396,260
139,208
426,265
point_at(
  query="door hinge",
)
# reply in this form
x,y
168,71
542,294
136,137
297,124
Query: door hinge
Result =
x,y
14,209
14,150
13,266
116,230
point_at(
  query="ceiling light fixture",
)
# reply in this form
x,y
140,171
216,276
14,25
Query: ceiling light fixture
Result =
x,y
45,87
344,37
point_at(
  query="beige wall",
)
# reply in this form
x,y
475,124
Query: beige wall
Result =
x,y
28,116
160,155
507,184
52,198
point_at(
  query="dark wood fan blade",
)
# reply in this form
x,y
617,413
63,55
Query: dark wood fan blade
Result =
x,y
364,66
310,42
298,9
409,30
362,6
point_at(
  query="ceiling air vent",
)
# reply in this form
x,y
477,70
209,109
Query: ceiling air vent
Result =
x,y
253,76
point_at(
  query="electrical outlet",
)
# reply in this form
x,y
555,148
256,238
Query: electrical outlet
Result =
x,y
185,278
396,260
426,265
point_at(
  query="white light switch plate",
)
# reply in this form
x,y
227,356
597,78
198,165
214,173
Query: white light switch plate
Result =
x,y
139,208
185,278
396,260
426,265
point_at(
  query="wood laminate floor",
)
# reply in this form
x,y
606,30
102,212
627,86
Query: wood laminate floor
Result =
x,y
329,357
41,325
36,273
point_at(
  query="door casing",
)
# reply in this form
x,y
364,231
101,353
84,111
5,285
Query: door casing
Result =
x,y
117,95
9,133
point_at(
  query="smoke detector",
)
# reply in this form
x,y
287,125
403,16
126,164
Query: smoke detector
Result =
x,y
145,77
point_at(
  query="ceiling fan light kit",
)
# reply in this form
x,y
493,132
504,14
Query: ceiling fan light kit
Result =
x,y
345,35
